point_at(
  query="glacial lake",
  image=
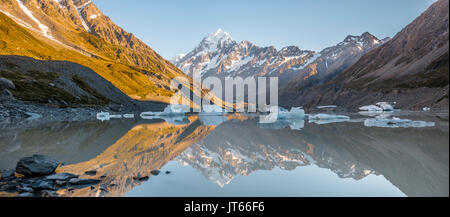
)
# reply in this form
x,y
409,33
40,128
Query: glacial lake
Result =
x,y
236,156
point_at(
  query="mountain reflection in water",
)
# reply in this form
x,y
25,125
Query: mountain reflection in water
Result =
x,y
406,161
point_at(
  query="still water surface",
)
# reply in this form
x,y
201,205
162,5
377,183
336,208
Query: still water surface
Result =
x,y
237,156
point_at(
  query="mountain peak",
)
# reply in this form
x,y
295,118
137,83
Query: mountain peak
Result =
x,y
365,37
215,41
218,36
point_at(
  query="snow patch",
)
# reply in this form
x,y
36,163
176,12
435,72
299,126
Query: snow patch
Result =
x,y
44,28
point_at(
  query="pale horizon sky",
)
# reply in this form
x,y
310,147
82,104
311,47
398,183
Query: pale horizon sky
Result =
x,y
171,27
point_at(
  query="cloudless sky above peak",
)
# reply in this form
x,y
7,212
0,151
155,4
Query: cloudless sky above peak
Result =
x,y
171,27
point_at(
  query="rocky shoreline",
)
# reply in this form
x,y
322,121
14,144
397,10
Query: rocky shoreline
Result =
x,y
38,176
35,177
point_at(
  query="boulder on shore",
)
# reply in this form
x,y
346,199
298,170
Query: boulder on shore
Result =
x,y
36,165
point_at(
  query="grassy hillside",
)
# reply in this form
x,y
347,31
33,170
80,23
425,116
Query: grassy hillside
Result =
x,y
140,83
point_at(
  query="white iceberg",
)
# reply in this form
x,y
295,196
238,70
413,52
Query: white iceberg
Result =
x,y
326,106
170,110
280,113
397,123
106,116
129,116
327,118
381,106
295,112
371,108
377,114
386,106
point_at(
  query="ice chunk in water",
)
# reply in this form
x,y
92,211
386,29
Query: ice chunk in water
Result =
x,y
385,106
128,115
327,118
426,109
106,116
280,113
396,123
170,110
370,108
326,107
381,106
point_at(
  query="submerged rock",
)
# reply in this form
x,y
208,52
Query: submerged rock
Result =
x,y
36,165
91,172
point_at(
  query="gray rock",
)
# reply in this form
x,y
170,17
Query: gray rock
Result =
x,y
8,187
6,174
36,165
40,185
77,181
48,193
62,176
5,83
25,189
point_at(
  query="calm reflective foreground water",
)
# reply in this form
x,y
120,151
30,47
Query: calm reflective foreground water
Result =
x,y
237,156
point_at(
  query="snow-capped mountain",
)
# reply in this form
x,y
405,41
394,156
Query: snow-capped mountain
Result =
x,y
333,60
410,69
219,55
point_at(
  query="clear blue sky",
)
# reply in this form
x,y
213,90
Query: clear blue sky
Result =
x,y
177,26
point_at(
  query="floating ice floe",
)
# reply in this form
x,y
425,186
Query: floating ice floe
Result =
x,y
327,118
426,109
129,116
326,106
280,113
105,116
294,113
381,106
397,123
170,110
377,114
